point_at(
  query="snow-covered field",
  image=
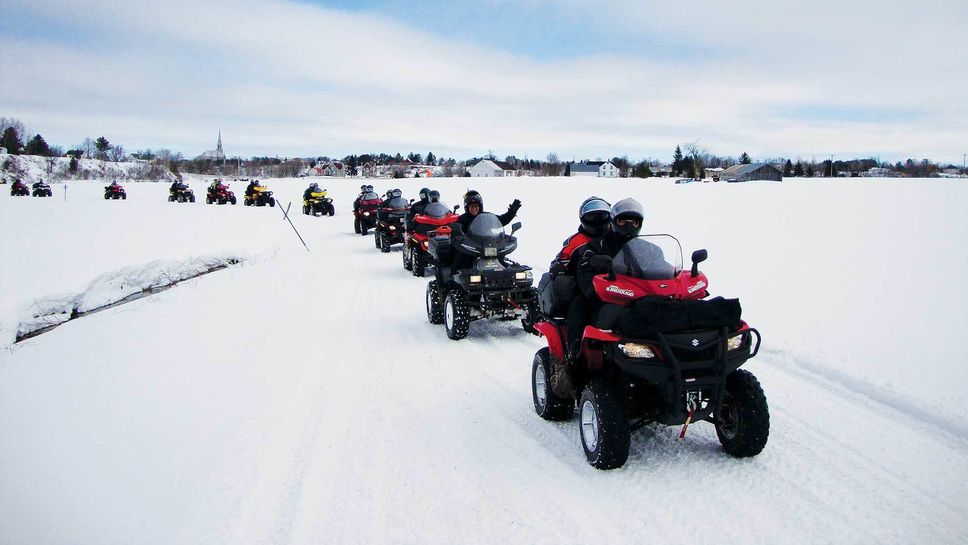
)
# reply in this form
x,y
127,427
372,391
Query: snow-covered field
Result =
x,y
302,397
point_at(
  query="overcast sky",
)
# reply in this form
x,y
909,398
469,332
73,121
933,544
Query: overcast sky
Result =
x,y
579,78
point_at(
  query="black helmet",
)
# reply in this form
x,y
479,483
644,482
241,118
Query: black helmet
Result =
x,y
424,194
367,188
594,214
472,197
627,218
433,196
363,188
395,193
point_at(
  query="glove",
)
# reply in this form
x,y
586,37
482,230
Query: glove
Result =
x,y
515,206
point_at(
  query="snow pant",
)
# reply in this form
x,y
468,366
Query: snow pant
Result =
x,y
579,315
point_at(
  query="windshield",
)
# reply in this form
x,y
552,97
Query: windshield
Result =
x,y
486,227
398,203
370,196
436,210
649,257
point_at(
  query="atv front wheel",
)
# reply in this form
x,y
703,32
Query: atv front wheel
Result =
x,y
272,202
435,314
191,198
743,420
332,210
419,265
605,432
233,200
376,238
548,405
384,243
456,316
407,258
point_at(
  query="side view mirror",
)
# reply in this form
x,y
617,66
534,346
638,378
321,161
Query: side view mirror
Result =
x,y
515,226
456,207
411,201
698,257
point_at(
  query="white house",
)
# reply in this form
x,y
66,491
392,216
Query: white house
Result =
x,y
601,169
489,168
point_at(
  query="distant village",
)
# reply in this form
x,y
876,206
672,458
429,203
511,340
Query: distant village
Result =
x,y
691,164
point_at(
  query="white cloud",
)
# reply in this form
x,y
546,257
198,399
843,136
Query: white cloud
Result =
x,y
293,79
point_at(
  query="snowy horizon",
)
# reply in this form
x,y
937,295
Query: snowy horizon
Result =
x,y
334,77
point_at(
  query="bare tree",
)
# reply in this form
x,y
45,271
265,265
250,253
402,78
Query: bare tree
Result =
x,y
552,167
116,153
87,146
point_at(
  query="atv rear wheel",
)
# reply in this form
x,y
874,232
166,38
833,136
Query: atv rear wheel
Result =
x,y
234,200
435,314
456,316
272,202
548,405
605,432
743,420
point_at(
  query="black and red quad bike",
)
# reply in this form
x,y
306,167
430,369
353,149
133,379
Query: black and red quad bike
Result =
x,y
364,213
659,352
389,225
220,194
474,279
434,220
115,192
19,189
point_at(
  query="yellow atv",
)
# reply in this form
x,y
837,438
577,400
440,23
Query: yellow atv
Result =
x,y
318,204
260,196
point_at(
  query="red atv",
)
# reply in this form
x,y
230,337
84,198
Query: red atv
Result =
x,y
659,352
364,212
434,220
114,191
389,226
19,189
220,194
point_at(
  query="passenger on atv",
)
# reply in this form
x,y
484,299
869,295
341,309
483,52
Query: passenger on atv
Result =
x,y
417,208
474,279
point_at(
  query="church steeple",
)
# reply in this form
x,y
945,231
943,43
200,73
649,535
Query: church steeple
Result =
x,y
219,148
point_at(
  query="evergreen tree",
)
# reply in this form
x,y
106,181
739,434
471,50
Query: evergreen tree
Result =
x,y
798,169
745,159
11,141
810,172
37,146
788,168
690,167
102,145
642,170
677,161
431,159
72,167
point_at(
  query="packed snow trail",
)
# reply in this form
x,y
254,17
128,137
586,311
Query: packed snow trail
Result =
x,y
306,399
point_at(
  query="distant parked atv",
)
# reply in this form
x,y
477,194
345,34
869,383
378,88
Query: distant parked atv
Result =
x,y
260,196
181,193
657,353
114,191
318,204
474,279
364,213
434,220
19,189
389,225
220,194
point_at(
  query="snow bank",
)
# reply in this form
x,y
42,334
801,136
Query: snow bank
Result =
x,y
107,289
31,168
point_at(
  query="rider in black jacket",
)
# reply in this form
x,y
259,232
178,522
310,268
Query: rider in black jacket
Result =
x,y
474,205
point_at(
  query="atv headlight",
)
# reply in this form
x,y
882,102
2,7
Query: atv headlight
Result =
x,y
392,228
523,275
366,213
476,279
640,351
490,252
735,342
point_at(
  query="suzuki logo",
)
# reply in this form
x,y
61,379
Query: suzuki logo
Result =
x,y
695,342
615,289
